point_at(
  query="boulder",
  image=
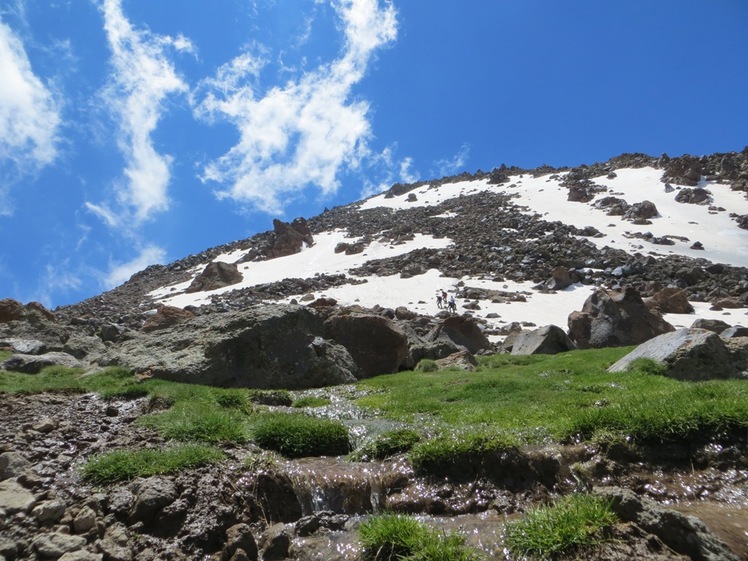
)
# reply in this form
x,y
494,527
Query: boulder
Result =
x,y
12,310
688,354
166,316
376,343
714,325
548,340
673,301
264,347
33,364
682,533
14,498
24,346
735,331
462,331
12,464
289,238
216,275
461,360
613,319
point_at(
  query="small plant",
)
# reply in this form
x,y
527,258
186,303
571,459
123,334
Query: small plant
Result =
x,y
427,365
387,444
311,401
296,435
647,366
399,537
572,522
199,422
122,465
448,455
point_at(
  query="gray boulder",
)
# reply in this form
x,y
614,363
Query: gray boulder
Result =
x,y
615,319
274,346
715,325
547,340
14,498
12,464
33,364
376,343
684,534
462,331
24,346
689,354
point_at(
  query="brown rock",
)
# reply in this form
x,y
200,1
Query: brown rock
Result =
x,y
216,275
673,301
166,316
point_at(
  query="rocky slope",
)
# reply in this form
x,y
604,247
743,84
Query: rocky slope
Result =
x,y
290,333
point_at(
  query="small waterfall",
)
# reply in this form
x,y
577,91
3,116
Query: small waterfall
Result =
x,y
334,484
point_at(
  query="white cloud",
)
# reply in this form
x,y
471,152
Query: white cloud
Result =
x,y
455,164
120,272
304,132
29,112
143,77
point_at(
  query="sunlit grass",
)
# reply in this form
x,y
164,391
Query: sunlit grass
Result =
x,y
572,522
122,465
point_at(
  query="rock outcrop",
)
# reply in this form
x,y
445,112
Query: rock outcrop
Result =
x,y
614,319
216,274
548,340
688,354
276,346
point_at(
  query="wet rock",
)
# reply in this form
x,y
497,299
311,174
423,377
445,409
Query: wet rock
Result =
x,y
549,340
151,496
116,544
239,539
685,534
275,543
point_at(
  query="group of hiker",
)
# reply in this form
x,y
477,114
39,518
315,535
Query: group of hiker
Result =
x,y
442,301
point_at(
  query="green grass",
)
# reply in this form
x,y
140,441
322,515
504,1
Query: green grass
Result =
x,y
560,398
386,445
572,522
461,455
311,401
199,422
297,435
122,465
399,537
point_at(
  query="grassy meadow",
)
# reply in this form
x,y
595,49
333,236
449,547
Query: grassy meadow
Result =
x,y
508,402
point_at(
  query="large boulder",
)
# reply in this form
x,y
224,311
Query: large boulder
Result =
x,y
216,275
548,340
672,301
274,346
612,318
376,343
289,238
688,354
462,331
33,364
166,316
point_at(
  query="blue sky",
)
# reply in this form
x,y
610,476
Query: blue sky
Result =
x,y
135,132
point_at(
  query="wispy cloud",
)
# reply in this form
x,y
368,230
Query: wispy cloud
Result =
x,y
455,164
120,272
29,113
305,132
142,79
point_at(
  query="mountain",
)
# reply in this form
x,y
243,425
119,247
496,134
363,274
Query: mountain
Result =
x,y
492,239
605,255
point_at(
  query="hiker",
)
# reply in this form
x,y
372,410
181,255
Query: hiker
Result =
x,y
439,299
444,297
451,305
